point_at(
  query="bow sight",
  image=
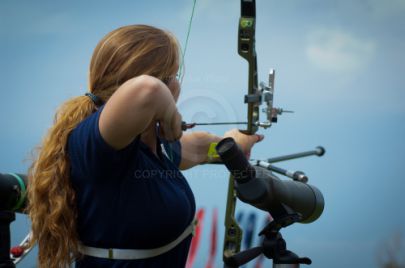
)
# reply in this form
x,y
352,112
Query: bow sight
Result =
x,y
265,94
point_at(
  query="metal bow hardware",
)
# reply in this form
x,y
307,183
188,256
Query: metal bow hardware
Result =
x,y
257,94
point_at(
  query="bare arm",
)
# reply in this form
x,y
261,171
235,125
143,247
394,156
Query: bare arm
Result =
x,y
194,146
134,106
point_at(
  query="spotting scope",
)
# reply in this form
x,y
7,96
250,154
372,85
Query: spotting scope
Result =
x,y
260,188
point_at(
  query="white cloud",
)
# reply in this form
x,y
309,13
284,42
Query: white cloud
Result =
x,y
338,51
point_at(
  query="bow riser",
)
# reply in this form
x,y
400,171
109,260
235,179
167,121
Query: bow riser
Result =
x,y
247,50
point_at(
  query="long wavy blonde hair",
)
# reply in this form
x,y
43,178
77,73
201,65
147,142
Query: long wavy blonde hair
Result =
x,y
122,54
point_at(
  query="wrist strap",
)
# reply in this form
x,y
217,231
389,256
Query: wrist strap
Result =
x,y
212,153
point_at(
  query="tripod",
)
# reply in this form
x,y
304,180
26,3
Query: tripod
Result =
x,y
273,246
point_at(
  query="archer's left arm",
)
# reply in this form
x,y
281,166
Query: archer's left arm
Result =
x,y
195,145
194,148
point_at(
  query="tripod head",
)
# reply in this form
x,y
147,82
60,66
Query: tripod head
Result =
x,y
273,246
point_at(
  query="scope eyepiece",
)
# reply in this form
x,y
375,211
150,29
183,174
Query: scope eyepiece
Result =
x,y
235,161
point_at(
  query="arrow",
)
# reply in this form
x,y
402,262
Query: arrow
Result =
x,y
185,126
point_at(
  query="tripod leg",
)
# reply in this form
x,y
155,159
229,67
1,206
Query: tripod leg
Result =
x,y
6,217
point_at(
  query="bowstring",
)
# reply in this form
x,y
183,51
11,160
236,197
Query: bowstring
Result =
x,y
183,54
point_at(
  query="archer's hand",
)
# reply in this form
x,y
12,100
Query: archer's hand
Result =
x,y
246,142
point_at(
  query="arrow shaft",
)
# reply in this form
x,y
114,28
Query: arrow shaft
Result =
x,y
220,123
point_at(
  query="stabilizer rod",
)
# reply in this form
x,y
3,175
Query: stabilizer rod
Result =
x,y
319,151
295,175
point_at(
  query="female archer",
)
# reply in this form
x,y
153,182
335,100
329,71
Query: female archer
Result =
x,y
105,189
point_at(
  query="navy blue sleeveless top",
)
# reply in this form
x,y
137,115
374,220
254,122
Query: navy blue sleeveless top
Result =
x,y
128,198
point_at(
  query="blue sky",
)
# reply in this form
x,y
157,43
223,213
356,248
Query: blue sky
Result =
x,y
339,66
